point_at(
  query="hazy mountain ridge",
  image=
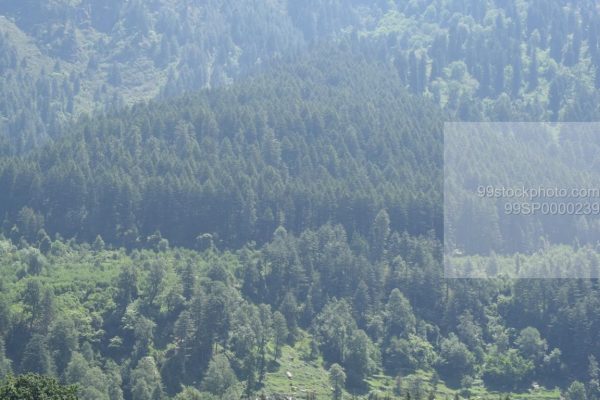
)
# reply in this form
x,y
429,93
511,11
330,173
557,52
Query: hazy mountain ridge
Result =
x,y
516,59
105,55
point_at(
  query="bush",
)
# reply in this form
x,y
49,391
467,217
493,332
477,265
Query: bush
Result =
x,y
35,387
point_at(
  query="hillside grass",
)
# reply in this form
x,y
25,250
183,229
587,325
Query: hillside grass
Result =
x,y
310,376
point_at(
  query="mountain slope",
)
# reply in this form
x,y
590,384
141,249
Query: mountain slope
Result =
x,y
333,139
511,60
102,55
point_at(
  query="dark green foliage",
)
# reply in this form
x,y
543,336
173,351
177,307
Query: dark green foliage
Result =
x,y
145,379
219,376
280,331
62,341
455,360
408,354
400,320
35,387
358,358
282,149
36,357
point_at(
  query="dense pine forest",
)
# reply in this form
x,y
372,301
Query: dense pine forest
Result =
x,y
296,147
244,199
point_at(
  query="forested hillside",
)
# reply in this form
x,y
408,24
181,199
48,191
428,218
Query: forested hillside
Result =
x,y
320,140
324,175
62,58
244,199
502,60
141,325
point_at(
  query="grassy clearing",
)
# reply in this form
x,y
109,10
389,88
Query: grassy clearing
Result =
x,y
384,385
307,375
311,376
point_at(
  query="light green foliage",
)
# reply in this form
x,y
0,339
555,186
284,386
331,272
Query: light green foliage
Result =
x,y
507,371
244,332
576,391
190,393
241,331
